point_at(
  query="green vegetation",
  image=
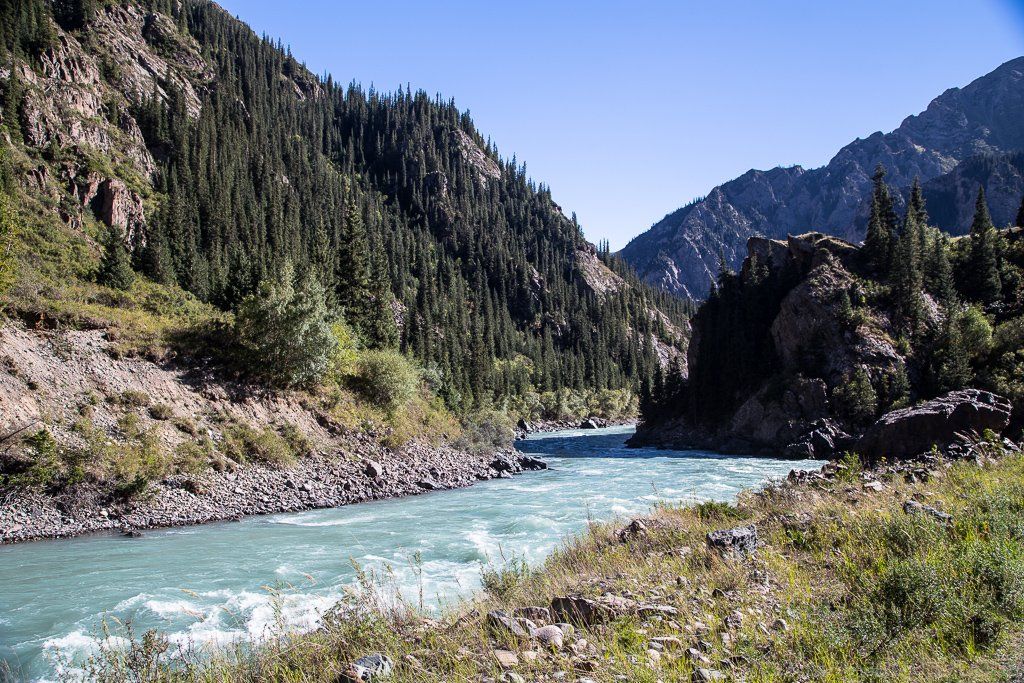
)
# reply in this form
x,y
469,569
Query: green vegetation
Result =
x,y
838,590
284,331
940,303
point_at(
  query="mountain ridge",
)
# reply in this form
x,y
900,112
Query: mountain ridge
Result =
x,y
681,252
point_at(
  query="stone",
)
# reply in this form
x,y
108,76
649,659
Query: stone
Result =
x,y
873,485
530,463
499,622
375,667
635,530
703,675
741,541
590,423
912,507
912,431
506,658
541,615
648,611
576,609
549,636
667,642
512,677
373,469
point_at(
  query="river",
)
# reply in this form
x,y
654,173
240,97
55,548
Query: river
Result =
x,y
218,583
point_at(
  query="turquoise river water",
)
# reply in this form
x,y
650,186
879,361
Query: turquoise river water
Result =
x,y
219,583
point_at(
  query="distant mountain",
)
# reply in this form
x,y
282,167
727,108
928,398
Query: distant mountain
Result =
x,y
963,138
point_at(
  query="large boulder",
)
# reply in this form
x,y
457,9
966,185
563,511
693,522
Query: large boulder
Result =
x,y
909,432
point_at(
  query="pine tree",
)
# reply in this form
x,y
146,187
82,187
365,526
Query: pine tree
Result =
x,y
985,286
285,330
879,241
1020,214
941,270
115,265
907,273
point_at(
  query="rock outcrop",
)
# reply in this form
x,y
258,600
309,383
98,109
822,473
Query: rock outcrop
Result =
x,y
816,348
909,432
680,253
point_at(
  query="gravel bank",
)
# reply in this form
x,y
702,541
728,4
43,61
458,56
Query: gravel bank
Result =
x,y
362,471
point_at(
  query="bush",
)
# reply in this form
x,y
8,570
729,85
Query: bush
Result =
x,y
285,331
486,431
161,411
387,379
134,399
855,397
243,443
50,464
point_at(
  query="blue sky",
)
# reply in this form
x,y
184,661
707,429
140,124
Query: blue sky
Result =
x,y
629,110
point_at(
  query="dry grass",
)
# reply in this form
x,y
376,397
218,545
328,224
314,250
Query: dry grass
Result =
x,y
845,586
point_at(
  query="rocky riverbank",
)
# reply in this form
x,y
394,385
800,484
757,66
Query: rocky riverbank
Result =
x,y
362,471
524,427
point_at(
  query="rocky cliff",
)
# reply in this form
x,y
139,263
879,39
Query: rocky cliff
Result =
x,y
962,127
803,350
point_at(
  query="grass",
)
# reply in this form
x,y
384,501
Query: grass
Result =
x,y
845,586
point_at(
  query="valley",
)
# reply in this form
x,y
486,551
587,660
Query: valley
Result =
x,y
305,381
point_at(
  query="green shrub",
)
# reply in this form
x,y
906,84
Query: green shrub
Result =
x,y
51,465
486,431
856,398
116,266
243,443
161,411
386,378
134,399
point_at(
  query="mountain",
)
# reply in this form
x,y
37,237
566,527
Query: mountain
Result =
x,y
219,160
967,126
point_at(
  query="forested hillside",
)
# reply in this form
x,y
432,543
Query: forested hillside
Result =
x,y
220,162
816,338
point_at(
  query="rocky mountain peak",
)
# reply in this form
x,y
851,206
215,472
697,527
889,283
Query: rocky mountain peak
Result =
x,y
680,253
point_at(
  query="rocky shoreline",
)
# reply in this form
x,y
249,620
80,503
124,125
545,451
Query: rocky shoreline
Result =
x,y
525,428
361,471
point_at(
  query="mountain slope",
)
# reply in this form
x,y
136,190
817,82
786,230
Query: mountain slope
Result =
x,y
681,252
219,159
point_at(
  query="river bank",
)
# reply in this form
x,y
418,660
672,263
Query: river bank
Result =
x,y
213,584
363,470
907,573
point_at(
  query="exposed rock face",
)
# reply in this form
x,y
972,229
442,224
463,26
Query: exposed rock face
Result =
x,y
912,431
486,168
149,53
816,351
680,252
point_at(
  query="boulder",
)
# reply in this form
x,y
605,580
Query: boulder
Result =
x,y
582,611
499,622
373,469
912,507
909,432
528,462
590,423
741,541
375,667
549,636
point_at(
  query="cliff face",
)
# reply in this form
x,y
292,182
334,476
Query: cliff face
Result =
x,y
680,253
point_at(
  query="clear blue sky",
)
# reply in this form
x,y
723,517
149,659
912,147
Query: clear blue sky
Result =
x,y
629,110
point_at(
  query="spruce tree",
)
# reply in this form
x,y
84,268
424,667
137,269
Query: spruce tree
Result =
x,y
907,273
1020,214
284,330
985,286
115,265
881,233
